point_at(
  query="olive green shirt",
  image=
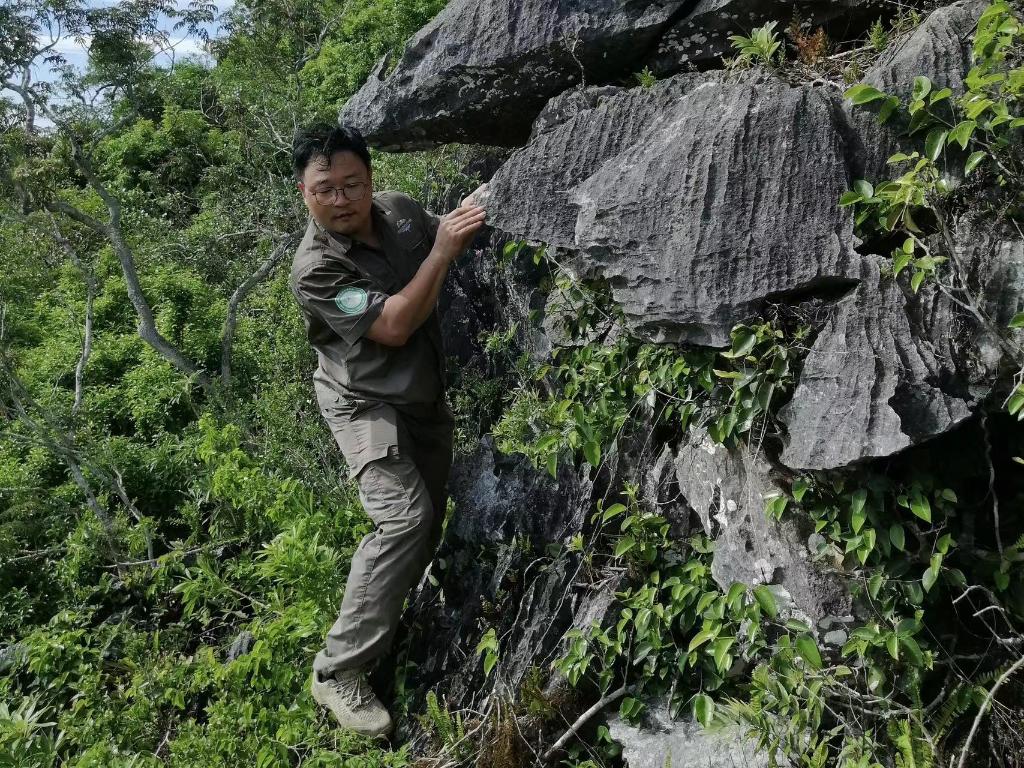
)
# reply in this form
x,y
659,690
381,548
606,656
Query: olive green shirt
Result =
x,y
341,285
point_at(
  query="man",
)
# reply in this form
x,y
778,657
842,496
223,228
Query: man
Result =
x,y
367,276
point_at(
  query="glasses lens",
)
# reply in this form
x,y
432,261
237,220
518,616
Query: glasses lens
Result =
x,y
354,191
325,196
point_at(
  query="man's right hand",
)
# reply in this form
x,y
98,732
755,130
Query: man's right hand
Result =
x,y
456,230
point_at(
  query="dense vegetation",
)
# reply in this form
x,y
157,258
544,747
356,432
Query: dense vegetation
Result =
x,y
158,519
175,525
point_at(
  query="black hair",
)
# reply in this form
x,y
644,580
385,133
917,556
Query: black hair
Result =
x,y
324,139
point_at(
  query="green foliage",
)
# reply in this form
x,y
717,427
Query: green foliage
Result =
x,y
760,48
600,386
488,648
448,730
646,78
978,128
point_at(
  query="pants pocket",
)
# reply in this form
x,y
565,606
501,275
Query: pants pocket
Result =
x,y
366,435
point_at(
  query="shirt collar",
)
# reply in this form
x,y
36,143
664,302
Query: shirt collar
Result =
x,y
378,211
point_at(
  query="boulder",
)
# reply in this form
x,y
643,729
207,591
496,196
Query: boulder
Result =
x,y
481,72
871,386
939,49
697,199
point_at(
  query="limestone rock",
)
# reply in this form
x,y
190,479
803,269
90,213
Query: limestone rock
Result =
x,y
727,489
869,386
480,72
682,743
940,49
697,199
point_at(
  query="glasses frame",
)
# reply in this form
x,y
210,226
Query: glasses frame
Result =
x,y
333,193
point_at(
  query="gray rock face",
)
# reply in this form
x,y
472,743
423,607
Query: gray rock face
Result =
x,y
940,49
696,199
702,36
727,489
662,742
480,72
870,387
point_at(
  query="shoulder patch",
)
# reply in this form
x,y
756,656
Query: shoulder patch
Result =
x,y
351,300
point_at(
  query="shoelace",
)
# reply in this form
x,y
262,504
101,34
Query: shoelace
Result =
x,y
352,690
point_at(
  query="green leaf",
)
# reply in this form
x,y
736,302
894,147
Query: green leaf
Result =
x,y
743,341
916,280
934,143
973,160
625,544
703,709
961,134
592,452
700,638
612,511
863,94
864,188
938,96
920,505
800,485
552,464
892,644
888,109
1017,321
875,584
766,600
808,650
720,651
897,536
929,578
922,87
857,513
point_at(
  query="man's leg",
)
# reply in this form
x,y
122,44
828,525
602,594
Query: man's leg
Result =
x,y
433,442
387,563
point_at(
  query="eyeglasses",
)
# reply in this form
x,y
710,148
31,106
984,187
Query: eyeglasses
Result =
x,y
329,195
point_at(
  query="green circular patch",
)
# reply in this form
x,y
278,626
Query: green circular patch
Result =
x,y
351,301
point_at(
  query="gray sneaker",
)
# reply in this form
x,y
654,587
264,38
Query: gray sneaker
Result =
x,y
353,703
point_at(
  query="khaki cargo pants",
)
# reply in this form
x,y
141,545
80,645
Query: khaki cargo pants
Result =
x,y
400,461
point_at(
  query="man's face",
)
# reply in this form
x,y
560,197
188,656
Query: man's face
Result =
x,y
344,170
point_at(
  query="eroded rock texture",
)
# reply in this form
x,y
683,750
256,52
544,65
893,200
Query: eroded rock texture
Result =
x,y
702,200
696,199
939,49
682,743
728,490
480,72
870,387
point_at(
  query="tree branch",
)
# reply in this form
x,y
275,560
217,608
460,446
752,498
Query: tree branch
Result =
x,y
582,720
228,333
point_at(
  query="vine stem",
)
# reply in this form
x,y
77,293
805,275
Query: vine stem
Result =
x,y
984,707
582,720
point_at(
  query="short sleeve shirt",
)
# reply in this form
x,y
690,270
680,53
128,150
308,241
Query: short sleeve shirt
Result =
x,y
341,285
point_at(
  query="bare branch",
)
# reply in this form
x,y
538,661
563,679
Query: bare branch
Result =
x,y
984,707
228,333
583,719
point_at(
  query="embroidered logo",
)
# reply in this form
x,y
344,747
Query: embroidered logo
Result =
x,y
404,225
351,301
